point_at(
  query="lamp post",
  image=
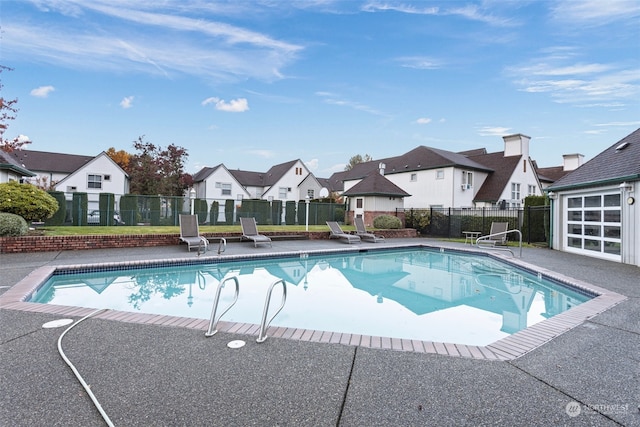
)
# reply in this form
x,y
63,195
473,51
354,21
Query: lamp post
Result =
x,y
306,216
192,197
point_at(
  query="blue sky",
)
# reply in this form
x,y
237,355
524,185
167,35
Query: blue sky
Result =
x,y
255,83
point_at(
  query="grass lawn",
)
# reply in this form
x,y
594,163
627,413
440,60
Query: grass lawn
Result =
x,y
147,229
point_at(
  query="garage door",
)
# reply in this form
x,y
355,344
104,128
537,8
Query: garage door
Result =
x,y
593,224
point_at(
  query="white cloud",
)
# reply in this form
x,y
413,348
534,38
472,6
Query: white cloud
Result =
x,y
594,12
42,91
419,62
493,131
23,138
239,105
127,102
312,164
267,154
333,99
199,46
423,121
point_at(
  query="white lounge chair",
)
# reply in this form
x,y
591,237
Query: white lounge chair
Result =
x,y
190,233
337,233
361,231
250,232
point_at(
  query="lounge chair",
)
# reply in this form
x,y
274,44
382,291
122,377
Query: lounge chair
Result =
x,y
190,233
250,232
337,233
361,231
493,239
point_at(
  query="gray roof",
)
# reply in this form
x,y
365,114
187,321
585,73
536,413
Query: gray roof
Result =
x,y
620,162
262,179
50,162
376,184
204,173
8,162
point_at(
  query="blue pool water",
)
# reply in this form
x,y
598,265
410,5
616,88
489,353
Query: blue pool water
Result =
x,y
416,293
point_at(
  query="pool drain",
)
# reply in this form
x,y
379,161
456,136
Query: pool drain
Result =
x,y
57,323
236,344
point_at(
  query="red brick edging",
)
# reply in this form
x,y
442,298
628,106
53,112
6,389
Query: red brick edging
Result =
x,y
69,243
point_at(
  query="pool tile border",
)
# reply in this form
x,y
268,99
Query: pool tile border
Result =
x,y
508,348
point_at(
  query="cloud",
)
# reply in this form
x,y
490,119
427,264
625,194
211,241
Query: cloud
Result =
x,y
560,73
312,164
239,105
42,91
127,102
593,13
493,131
267,154
423,121
134,36
420,62
333,99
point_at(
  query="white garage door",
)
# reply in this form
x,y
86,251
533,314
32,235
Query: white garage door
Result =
x,y
593,224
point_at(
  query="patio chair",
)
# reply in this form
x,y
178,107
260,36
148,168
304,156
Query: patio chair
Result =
x,y
491,238
250,232
361,231
190,233
337,233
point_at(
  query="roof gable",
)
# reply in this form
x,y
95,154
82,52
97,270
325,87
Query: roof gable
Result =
x,y
375,184
619,162
93,160
496,182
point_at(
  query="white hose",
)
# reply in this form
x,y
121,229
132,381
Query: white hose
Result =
x,y
77,374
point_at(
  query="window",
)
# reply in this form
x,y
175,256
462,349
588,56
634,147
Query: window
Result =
x,y
515,191
359,203
414,177
94,181
310,193
467,179
532,190
226,189
282,193
440,174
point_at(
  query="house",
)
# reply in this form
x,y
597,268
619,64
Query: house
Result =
x,y
286,181
440,178
71,173
373,196
549,175
594,208
12,170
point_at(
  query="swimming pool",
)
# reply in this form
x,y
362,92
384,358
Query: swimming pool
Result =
x,y
417,293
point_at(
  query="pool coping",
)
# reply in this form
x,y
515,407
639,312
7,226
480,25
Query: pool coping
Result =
x,y
508,348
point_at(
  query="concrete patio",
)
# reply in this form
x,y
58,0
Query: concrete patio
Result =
x,y
149,375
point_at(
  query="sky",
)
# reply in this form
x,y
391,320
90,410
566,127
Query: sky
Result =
x,y
256,83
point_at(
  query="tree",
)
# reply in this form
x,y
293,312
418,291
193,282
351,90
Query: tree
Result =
x,y
121,157
357,159
8,111
154,170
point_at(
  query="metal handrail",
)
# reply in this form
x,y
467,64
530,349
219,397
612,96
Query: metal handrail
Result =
x,y
213,322
488,237
222,245
264,324
203,243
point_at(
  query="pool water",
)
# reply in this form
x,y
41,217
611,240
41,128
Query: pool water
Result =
x,y
423,294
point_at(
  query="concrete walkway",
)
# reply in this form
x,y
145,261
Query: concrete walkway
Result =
x,y
146,375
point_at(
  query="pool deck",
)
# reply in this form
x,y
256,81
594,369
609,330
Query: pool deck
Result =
x,y
144,374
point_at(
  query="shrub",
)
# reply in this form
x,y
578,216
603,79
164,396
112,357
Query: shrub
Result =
x,y
26,200
12,225
60,216
387,222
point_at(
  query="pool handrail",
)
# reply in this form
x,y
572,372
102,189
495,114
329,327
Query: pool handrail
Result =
x,y
213,322
493,246
264,324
